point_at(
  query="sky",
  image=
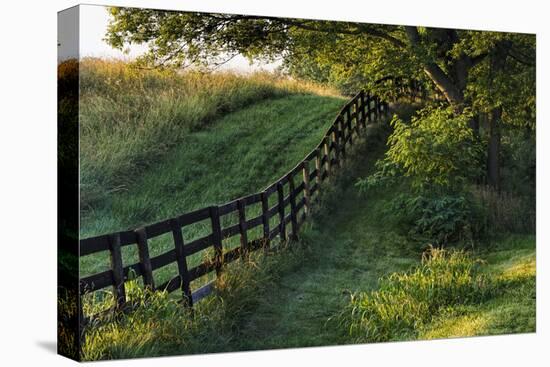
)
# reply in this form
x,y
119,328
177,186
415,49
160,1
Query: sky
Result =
x,y
92,22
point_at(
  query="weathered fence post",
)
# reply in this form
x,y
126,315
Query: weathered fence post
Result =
x,y
369,100
326,148
117,268
281,197
144,259
217,238
265,218
307,196
348,117
363,114
242,225
292,196
181,260
335,138
318,167
342,145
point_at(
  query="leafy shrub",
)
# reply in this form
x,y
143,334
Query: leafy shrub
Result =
x,y
436,149
406,302
441,218
432,160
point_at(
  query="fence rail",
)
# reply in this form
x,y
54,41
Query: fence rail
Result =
x,y
302,184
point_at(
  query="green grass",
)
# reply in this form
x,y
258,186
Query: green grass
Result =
x,y
221,162
512,265
131,118
296,297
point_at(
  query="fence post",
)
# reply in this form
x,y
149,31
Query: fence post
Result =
x,y
350,131
327,155
307,197
265,218
117,268
181,259
292,196
144,259
369,100
335,137
342,135
217,238
281,196
242,225
318,167
362,109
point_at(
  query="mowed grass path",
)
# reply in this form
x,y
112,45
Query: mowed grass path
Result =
x,y
350,247
236,155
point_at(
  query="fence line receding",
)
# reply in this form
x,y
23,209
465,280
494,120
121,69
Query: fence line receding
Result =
x,y
301,185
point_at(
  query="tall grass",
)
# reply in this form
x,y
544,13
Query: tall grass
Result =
x,y
160,325
131,117
506,212
406,302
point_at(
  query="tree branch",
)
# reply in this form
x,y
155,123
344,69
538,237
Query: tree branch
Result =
x,y
436,74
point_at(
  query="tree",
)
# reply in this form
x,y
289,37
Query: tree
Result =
x,y
470,68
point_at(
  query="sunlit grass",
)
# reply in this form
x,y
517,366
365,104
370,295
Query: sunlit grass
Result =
x,y
219,163
160,325
132,117
406,302
497,298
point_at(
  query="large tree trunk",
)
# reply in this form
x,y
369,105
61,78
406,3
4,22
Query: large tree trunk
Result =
x,y
452,92
493,153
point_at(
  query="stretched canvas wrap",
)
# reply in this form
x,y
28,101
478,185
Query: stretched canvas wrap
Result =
x,y
240,182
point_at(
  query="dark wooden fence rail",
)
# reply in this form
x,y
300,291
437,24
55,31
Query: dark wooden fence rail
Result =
x,y
302,184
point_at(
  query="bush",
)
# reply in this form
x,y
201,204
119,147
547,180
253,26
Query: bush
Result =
x,y
431,161
406,302
440,218
437,149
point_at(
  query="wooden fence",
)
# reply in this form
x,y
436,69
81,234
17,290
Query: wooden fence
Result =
x,y
302,184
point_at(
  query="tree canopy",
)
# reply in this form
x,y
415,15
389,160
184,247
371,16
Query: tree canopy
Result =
x,y
457,62
477,72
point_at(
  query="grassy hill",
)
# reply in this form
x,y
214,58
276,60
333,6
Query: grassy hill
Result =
x,y
190,141
130,118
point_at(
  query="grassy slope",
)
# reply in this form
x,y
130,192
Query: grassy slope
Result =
x,y
352,251
130,118
293,301
218,163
